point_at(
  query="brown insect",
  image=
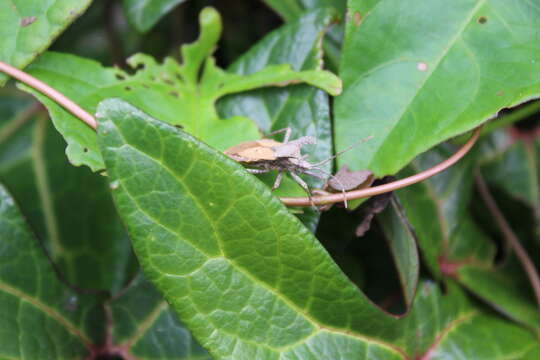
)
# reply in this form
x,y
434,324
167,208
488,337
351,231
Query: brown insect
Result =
x,y
265,155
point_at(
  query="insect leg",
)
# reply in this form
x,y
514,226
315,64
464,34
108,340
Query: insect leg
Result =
x,y
278,180
258,171
287,132
310,173
303,184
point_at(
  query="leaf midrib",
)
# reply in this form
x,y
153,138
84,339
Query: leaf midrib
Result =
x,y
428,76
62,320
312,321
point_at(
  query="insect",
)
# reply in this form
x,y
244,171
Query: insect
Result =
x,y
265,155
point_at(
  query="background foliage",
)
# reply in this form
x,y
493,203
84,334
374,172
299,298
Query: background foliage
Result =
x,y
146,242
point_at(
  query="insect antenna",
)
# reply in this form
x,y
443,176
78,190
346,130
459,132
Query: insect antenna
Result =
x,y
343,151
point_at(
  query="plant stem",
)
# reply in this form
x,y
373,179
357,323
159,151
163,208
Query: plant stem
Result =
x,y
395,185
509,235
40,86
80,113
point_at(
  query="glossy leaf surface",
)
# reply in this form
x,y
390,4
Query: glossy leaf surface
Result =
x,y
411,82
225,253
172,92
143,14
27,27
41,317
70,209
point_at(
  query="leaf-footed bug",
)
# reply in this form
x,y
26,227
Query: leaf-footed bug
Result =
x,y
265,155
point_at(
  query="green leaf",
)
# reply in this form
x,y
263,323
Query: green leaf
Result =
x,y
69,209
27,27
303,108
506,289
171,92
438,209
514,166
449,326
41,317
228,256
453,245
148,328
402,243
411,91
144,14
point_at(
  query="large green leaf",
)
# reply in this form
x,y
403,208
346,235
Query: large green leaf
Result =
x,y
235,265
303,108
27,27
183,95
143,14
69,209
147,328
417,75
40,317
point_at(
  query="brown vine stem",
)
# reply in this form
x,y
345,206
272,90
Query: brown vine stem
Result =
x,y
80,113
509,235
40,86
395,185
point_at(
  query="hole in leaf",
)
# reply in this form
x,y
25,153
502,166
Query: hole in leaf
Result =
x,y
85,150
120,77
127,88
482,20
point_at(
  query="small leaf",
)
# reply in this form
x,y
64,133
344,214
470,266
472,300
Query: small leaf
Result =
x,y
226,254
28,27
144,14
41,317
402,243
412,91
